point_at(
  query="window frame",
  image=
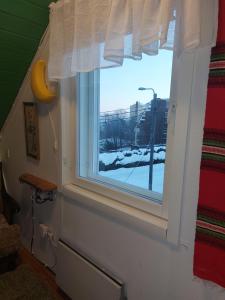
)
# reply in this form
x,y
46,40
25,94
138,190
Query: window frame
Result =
x,y
177,131
184,88
96,183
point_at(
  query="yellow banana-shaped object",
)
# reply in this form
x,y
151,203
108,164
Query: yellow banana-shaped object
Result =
x,y
38,82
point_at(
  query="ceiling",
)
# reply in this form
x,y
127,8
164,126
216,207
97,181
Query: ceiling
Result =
x,y
22,25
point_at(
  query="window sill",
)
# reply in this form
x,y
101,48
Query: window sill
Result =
x,y
129,216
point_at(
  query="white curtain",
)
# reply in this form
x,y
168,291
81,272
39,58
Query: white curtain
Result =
x,y
90,34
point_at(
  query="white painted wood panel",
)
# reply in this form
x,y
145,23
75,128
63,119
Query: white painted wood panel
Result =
x,y
81,280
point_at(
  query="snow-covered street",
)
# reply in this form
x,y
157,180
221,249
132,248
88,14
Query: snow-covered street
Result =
x,y
138,176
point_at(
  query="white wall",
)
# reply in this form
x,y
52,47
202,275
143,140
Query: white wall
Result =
x,y
151,269
16,162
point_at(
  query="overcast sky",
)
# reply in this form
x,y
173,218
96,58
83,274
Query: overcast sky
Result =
x,y
119,86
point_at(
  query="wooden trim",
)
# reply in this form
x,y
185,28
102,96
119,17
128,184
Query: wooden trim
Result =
x,y
38,183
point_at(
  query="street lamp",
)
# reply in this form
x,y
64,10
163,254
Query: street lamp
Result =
x,y
152,134
144,89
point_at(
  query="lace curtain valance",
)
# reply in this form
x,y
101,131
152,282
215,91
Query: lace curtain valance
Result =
x,y
90,34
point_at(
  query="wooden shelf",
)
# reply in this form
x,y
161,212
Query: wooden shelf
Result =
x,y
38,183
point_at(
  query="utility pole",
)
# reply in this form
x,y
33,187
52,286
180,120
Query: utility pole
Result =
x,y
152,140
153,119
136,129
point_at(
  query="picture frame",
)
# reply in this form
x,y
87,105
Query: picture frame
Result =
x,y
31,125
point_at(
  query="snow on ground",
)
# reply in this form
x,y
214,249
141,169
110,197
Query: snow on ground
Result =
x,y
131,156
138,176
109,157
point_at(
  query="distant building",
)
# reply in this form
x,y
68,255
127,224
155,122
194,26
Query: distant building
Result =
x,y
144,126
136,109
134,126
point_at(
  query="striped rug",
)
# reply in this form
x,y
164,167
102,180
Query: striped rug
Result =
x,y
210,222
209,254
213,150
210,226
217,67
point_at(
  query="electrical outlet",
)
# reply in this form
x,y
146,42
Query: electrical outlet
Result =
x,y
50,235
44,230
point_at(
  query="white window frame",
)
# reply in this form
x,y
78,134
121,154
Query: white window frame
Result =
x,y
136,197
188,92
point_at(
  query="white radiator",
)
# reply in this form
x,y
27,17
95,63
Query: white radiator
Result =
x,y
80,279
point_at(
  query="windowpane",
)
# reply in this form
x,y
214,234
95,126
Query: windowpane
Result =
x,y
133,104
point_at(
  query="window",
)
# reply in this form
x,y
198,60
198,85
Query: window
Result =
x,y
133,122
95,153
123,125
82,135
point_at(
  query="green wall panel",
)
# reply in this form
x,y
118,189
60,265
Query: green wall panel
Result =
x,y
15,62
18,43
41,3
25,10
22,24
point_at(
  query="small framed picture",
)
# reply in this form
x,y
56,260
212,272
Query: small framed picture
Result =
x,y
31,130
